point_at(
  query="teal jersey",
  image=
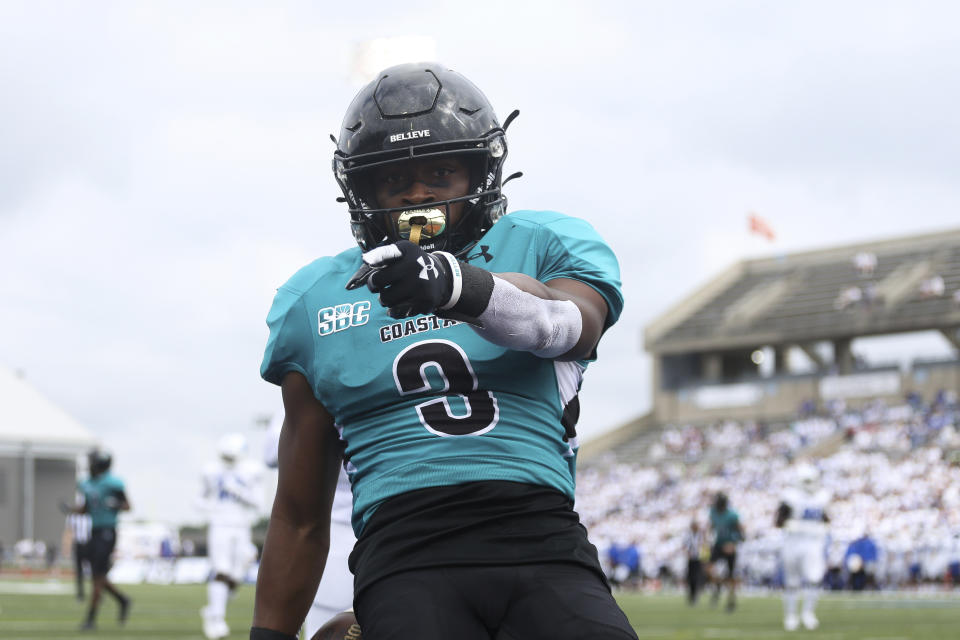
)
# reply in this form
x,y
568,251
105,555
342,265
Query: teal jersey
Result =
x,y
426,402
726,525
100,494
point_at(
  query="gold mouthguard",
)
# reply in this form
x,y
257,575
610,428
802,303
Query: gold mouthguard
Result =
x,y
417,223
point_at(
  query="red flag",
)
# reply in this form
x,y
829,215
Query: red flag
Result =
x,y
758,225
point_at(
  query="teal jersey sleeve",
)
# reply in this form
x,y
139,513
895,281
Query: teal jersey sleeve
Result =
x,y
116,484
571,248
292,344
289,347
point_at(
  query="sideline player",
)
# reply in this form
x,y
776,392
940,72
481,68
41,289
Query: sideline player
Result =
x,y
104,496
727,532
449,382
335,593
802,515
232,500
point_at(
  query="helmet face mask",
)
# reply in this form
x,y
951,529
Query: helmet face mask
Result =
x,y
417,112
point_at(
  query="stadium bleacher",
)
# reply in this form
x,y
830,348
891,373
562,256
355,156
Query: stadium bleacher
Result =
x,y
805,310
806,306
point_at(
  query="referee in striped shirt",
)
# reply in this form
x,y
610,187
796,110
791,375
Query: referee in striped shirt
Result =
x,y
79,525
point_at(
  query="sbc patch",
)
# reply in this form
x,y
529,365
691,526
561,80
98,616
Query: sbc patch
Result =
x,y
342,316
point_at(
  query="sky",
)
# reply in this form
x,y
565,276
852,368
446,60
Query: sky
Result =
x,y
164,166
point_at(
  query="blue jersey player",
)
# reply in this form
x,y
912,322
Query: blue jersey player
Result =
x,y
439,362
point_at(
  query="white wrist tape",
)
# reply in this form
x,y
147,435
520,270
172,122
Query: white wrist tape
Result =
x,y
519,320
457,277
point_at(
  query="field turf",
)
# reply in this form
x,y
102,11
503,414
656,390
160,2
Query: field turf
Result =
x,y
49,610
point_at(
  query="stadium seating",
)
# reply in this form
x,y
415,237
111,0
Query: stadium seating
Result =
x,y
892,472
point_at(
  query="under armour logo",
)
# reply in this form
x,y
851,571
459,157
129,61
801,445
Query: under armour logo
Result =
x,y
428,268
487,257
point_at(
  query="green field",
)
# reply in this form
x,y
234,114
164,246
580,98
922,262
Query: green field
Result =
x,y
48,610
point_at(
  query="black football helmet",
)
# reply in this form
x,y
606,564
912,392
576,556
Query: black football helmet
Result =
x,y
99,461
415,111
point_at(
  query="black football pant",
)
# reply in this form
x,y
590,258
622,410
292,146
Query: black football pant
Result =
x,y
79,559
694,579
554,601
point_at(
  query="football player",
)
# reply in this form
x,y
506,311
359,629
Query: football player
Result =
x,y
231,498
803,517
335,593
104,496
441,359
727,533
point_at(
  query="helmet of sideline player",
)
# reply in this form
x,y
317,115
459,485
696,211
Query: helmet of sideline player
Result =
x,y
807,475
99,461
231,447
720,502
421,111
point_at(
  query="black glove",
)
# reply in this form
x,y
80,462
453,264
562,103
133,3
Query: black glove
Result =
x,y
410,281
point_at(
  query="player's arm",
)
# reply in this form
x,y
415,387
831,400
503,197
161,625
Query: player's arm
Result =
x,y
783,514
298,537
247,496
243,494
68,509
120,501
116,497
590,307
560,319
244,490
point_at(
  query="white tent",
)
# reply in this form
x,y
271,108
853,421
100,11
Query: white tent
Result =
x,y
28,418
39,447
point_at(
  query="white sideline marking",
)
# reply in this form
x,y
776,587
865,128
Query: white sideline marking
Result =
x,y
35,588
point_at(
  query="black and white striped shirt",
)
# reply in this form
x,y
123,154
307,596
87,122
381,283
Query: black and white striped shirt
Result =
x,y
80,525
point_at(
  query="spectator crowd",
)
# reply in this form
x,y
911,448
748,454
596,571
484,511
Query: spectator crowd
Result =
x,y
893,473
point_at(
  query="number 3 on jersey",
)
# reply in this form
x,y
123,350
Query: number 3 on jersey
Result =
x,y
410,369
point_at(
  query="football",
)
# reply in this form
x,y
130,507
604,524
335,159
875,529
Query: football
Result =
x,y
342,626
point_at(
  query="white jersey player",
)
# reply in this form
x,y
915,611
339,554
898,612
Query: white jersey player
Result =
x,y
335,592
232,501
803,516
